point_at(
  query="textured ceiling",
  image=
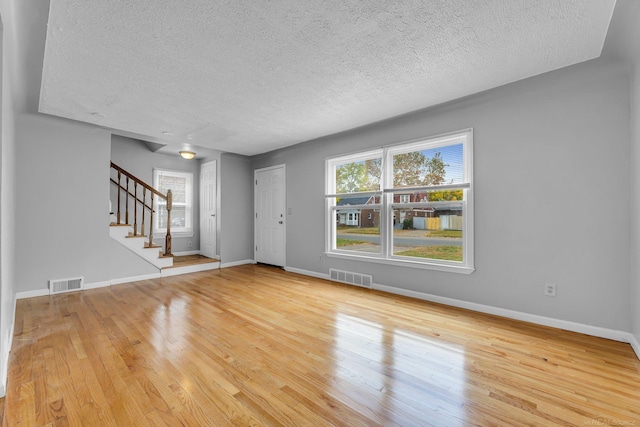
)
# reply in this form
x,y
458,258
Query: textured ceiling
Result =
x,y
251,76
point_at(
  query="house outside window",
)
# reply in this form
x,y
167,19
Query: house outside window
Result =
x,y
420,196
181,186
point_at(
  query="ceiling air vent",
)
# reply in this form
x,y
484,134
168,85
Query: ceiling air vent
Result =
x,y
65,285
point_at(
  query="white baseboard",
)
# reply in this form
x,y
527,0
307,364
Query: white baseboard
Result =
x,y
167,272
45,292
308,273
635,344
164,273
96,285
596,331
135,278
31,294
236,263
185,253
4,375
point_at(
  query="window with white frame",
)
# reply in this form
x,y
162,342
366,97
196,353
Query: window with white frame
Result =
x,y
417,199
181,186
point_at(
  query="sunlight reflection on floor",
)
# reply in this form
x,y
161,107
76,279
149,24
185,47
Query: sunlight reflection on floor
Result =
x,y
412,373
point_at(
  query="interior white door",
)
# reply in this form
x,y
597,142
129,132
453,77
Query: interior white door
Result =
x,y
208,209
270,215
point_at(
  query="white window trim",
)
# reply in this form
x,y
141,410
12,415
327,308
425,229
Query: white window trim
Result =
x,y
386,206
187,230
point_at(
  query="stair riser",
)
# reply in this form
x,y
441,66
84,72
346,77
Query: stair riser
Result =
x,y
136,245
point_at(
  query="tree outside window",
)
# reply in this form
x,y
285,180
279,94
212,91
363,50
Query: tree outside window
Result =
x,y
416,198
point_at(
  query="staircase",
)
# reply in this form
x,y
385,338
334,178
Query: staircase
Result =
x,y
123,234
135,206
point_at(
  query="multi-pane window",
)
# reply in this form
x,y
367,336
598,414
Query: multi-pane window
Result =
x,y
407,204
181,186
356,203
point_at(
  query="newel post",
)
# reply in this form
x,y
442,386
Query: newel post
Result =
x,y
167,239
119,191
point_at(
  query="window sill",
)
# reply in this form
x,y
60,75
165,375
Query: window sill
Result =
x,y
403,263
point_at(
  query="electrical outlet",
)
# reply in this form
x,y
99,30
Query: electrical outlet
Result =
x,y
550,289
189,243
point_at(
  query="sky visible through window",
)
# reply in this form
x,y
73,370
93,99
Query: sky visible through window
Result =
x,y
429,167
452,158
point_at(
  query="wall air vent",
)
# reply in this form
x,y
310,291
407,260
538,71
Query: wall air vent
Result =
x,y
65,285
351,278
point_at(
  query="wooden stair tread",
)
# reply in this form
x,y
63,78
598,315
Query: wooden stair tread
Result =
x,y
120,218
188,260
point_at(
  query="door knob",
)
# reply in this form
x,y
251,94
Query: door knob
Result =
x,y
279,222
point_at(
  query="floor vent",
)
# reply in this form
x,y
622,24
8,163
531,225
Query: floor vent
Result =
x,y
351,278
65,285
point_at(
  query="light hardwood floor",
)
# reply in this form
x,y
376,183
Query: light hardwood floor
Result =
x,y
253,345
189,260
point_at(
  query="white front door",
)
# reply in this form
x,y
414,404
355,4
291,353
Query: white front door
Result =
x,y
270,215
208,209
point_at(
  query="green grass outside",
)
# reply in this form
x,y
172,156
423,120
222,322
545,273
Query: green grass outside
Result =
x,y
444,233
453,234
353,230
449,253
348,242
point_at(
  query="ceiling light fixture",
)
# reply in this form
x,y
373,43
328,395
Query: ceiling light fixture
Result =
x,y
187,154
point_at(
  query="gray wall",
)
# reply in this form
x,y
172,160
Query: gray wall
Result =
x,y
635,162
551,165
135,157
22,47
7,191
623,45
7,225
124,264
236,209
62,202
